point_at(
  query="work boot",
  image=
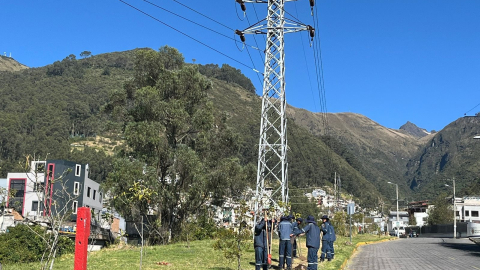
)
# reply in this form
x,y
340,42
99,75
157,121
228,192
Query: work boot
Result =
x,y
322,259
331,259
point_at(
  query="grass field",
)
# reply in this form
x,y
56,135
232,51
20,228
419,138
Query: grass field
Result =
x,y
200,255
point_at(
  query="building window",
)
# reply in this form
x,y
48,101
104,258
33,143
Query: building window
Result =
x,y
467,213
40,167
88,192
18,185
34,206
100,199
78,168
474,213
76,188
39,186
75,206
50,171
94,193
457,213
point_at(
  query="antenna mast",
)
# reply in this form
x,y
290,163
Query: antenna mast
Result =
x,y
272,168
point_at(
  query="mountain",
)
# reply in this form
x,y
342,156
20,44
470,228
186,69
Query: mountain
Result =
x,y
383,152
45,110
412,129
10,64
450,153
61,104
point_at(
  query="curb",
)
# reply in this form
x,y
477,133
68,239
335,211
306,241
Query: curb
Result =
x,y
359,244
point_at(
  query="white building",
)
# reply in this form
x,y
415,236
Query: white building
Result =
x,y
468,209
393,222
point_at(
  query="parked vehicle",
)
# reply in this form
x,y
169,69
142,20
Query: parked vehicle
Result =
x,y
401,231
413,233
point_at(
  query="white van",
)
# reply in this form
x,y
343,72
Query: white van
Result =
x,y
401,231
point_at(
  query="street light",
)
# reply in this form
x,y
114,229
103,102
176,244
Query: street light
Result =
x,y
454,210
398,218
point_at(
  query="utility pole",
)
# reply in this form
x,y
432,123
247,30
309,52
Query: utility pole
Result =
x,y
398,216
272,147
454,211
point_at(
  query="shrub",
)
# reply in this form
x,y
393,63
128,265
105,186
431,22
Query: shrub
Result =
x,y
24,243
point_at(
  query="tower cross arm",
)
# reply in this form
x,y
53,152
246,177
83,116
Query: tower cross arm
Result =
x,y
289,27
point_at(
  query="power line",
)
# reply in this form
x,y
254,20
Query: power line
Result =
x,y
321,85
261,57
201,25
256,43
306,65
472,109
208,46
204,15
258,76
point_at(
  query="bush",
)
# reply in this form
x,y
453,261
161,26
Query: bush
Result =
x,y
24,243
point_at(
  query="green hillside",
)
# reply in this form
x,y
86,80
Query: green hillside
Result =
x,y
451,153
45,110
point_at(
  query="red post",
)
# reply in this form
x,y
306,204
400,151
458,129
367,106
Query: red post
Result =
x,y
81,238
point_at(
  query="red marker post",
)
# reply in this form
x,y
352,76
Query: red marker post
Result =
x,y
81,238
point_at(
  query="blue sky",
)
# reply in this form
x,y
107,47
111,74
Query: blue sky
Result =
x,y
391,60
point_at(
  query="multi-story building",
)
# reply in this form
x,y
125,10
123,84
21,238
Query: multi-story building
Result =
x,y
468,209
393,222
419,210
53,186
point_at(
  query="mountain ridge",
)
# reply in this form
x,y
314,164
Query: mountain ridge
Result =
x,y
364,153
10,64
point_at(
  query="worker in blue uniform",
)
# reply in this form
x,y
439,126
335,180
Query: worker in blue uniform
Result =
x,y
312,232
260,244
328,238
296,224
285,229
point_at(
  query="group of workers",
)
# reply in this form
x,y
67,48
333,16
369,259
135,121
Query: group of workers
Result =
x,y
288,229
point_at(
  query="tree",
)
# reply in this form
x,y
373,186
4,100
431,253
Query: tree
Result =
x,y
234,243
441,212
176,147
339,222
302,206
412,221
85,54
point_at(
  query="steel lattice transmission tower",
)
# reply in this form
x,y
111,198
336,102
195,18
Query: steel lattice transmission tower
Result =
x,y
272,149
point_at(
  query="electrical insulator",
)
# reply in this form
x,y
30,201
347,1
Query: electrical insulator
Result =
x,y
242,5
311,30
312,3
242,36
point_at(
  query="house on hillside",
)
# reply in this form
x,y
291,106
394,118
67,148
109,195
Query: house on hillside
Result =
x,y
53,186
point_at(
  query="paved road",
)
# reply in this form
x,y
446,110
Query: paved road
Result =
x,y
418,253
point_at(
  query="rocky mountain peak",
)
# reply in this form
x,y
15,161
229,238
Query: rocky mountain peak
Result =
x,y
413,130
